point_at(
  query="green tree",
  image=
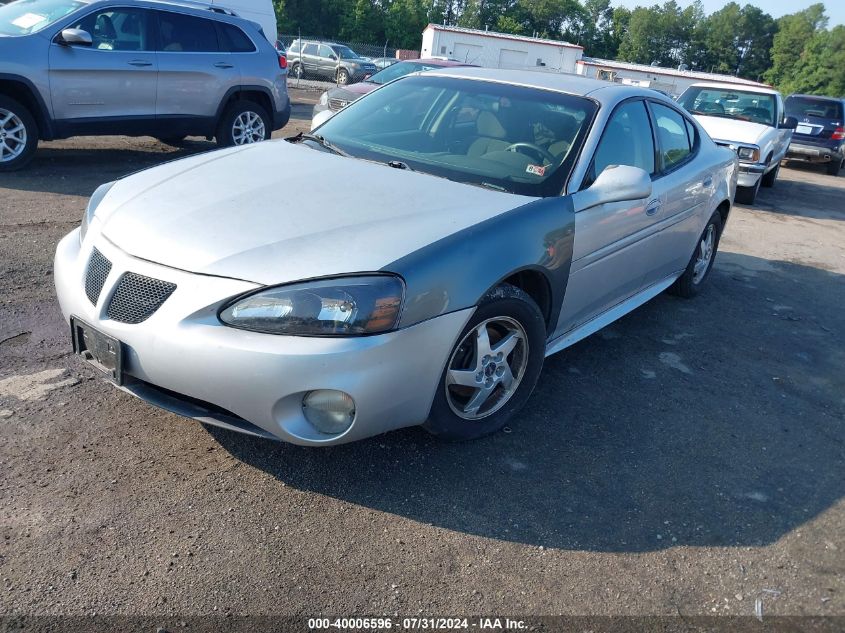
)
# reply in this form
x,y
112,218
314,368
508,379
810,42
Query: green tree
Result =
x,y
795,32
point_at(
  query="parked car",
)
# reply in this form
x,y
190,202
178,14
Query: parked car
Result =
x,y
478,221
328,60
134,67
820,135
383,62
335,99
749,120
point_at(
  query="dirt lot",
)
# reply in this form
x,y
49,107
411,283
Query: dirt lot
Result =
x,y
688,460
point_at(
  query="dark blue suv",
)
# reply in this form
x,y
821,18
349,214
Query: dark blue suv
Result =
x,y
820,135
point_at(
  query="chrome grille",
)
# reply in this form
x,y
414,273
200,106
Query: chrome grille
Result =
x,y
137,297
95,277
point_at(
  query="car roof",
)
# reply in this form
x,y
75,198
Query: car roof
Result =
x,y
602,91
818,97
735,87
437,61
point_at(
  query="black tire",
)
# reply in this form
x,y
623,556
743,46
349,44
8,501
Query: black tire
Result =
x,y
22,145
504,304
342,76
747,195
297,71
768,180
690,283
834,167
225,135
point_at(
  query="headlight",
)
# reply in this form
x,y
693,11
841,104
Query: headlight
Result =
x,y
749,153
93,203
343,306
324,98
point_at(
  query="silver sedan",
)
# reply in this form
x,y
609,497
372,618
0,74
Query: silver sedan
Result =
x,y
439,238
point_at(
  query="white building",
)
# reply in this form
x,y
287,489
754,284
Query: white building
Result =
x,y
666,79
499,50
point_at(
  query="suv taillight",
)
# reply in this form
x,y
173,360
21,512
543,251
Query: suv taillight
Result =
x,y
283,62
838,134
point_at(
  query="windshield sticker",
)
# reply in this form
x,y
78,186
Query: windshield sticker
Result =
x,y
28,20
537,170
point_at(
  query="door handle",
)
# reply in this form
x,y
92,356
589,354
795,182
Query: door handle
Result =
x,y
653,207
708,181
223,65
140,62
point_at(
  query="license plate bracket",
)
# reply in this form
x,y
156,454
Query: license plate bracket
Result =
x,y
102,351
804,129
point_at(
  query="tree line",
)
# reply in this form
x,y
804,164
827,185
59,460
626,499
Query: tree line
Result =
x,y
796,53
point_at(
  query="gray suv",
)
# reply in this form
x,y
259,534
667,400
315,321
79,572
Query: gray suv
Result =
x,y
329,60
134,67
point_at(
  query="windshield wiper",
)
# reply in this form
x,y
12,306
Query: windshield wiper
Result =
x,y
319,140
398,164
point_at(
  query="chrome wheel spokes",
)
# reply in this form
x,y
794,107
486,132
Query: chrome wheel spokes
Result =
x,y
12,136
704,255
248,128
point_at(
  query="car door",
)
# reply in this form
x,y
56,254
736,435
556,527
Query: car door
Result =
x,y
611,255
309,59
326,61
684,184
194,74
112,80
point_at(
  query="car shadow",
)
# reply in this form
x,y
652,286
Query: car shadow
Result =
x,y
806,198
711,422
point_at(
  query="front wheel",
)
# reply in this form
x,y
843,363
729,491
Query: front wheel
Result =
x,y
243,122
768,180
689,284
834,167
297,71
492,369
747,195
18,135
343,76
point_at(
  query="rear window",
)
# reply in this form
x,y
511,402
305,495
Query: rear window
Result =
x,y
807,107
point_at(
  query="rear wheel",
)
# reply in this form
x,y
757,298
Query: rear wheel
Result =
x,y
834,167
492,369
297,71
343,76
768,180
18,135
747,195
701,262
244,122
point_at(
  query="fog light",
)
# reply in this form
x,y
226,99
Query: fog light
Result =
x,y
330,411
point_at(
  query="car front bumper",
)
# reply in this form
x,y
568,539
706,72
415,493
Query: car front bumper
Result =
x,y
184,360
750,174
814,153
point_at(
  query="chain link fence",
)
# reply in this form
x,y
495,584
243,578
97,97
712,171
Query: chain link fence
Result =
x,y
370,51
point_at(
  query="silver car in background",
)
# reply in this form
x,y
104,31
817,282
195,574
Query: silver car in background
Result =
x,y
133,67
489,218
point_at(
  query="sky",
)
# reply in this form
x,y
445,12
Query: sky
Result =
x,y
835,9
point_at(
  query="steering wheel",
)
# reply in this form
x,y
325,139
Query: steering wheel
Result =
x,y
536,150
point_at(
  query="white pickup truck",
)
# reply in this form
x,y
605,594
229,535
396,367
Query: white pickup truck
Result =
x,y
751,121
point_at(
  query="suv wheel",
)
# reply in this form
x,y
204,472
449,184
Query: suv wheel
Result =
x,y
18,135
834,167
297,71
243,122
343,76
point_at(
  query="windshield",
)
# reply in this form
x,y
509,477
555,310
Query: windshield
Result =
x,y
513,138
731,104
29,16
807,107
345,52
397,70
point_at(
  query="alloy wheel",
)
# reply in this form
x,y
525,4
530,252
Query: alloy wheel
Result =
x,y
486,368
13,136
705,254
248,128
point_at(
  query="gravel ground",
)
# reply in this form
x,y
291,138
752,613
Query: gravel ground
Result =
x,y
687,460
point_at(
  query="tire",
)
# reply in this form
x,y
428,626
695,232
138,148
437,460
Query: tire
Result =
x,y
342,77
747,195
690,283
247,116
505,311
834,167
768,180
297,71
18,135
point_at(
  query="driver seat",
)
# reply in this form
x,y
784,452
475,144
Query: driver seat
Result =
x,y
491,135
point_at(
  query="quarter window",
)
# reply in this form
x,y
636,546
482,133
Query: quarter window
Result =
x,y
117,29
673,133
233,40
627,140
187,34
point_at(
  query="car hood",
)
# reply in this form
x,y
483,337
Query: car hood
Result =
x,y
276,212
733,129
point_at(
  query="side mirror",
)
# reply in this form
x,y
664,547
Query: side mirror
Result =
x,y
789,123
617,183
333,57
74,37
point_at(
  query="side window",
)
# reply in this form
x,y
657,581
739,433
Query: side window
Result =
x,y
672,132
309,49
118,29
233,40
186,34
325,51
691,133
627,140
